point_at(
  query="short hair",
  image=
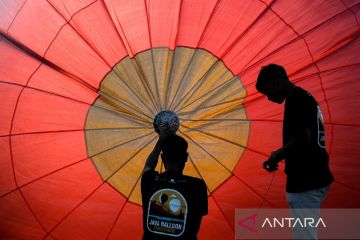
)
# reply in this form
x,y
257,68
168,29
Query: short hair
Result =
x,y
174,147
270,74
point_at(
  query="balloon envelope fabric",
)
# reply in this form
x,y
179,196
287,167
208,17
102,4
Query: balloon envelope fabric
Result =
x,y
81,82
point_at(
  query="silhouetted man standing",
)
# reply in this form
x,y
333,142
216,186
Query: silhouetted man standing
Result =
x,y
306,158
173,204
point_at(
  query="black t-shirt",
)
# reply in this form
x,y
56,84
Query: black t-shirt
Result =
x,y
173,205
306,165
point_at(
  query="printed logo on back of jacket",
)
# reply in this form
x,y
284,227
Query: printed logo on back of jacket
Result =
x,y
321,129
167,212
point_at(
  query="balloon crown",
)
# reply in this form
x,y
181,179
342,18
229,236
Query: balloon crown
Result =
x,y
166,120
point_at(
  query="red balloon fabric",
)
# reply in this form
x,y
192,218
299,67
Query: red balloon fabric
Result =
x,y
81,81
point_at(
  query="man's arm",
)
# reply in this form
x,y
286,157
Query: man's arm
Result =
x,y
153,157
303,138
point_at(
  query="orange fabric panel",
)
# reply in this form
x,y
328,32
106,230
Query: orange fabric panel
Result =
x,y
269,188
61,193
337,34
20,72
129,17
69,8
215,225
194,17
60,86
38,33
318,11
6,167
343,195
163,20
262,145
16,219
8,99
129,223
11,8
234,193
68,50
263,38
41,112
94,218
55,57
36,155
107,42
343,57
343,163
229,21
340,85
350,3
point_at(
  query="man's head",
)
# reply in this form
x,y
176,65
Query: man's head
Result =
x,y
174,153
273,82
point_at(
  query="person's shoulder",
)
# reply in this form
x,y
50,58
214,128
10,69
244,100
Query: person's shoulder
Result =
x,y
195,180
149,174
301,95
298,91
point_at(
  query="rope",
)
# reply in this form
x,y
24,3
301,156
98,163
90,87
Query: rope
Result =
x,y
264,199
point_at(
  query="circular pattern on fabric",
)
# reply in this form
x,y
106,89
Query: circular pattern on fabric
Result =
x,y
192,83
166,121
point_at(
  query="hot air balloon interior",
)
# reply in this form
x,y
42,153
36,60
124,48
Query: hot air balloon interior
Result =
x,y
82,81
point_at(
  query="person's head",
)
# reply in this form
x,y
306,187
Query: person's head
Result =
x,y
273,82
174,153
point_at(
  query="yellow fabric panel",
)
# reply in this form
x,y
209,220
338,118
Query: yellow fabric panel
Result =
x,y
199,63
162,66
108,154
206,96
104,115
135,196
130,86
126,177
146,70
209,83
181,61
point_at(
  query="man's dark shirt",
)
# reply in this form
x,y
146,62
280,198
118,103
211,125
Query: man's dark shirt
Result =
x,y
306,165
173,205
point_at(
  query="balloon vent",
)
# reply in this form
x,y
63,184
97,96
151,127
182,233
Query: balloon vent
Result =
x,y
166,120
